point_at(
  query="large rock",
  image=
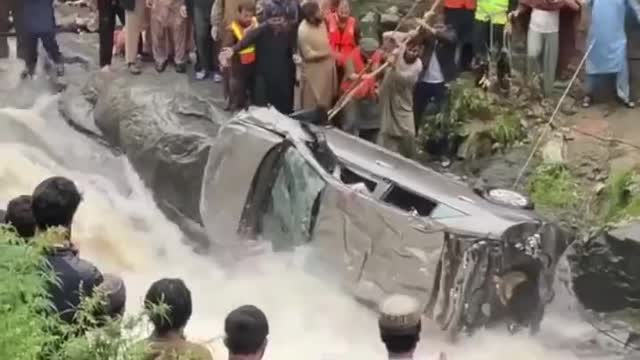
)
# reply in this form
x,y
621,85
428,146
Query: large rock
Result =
x,y
164,128
606,270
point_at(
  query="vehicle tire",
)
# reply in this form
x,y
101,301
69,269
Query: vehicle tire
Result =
x,y
508,198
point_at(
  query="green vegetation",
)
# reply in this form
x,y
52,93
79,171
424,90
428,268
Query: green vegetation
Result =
x,y
469,116
29,329
620,199
554,187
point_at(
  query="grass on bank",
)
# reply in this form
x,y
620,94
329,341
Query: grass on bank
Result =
x,y
30,330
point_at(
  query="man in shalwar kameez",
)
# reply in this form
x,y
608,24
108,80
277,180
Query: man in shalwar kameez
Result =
x,y
609,53
169,17
397,130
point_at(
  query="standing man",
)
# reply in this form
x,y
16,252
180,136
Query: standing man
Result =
x,y
40,25
400,324
135,16
439,68
222,14
459,15
543,36
241,69
108,10
246,329
169,17
344,34
319,82
362,113
204,43
398,128
609,53
490,19
274,41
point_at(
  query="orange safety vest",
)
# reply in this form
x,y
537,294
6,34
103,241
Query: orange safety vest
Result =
x,y
366,87
460,4
248,54
342,43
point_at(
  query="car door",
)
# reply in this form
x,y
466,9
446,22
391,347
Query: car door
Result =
x,y
378,248
237,153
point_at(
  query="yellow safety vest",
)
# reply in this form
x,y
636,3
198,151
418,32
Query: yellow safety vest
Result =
x,y
248,54
494,11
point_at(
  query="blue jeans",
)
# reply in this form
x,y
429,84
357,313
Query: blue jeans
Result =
x,y
622,82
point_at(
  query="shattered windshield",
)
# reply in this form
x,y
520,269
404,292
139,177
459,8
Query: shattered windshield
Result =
x,y
289,218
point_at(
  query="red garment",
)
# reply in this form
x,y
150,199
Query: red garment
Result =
x,y
343,42
366,87
460,4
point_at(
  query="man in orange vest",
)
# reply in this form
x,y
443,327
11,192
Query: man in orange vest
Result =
x,y
241,70
459,15
344,34
362,113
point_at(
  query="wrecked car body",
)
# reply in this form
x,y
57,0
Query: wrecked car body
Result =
x,y
385,223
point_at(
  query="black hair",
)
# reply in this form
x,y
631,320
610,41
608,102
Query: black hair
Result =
x,y
246,330
400,342
20,216
54,202
309,10
176,296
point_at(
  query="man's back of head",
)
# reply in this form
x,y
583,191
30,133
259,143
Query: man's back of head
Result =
x,y
20,216
54,203
177,297
400,325
246,329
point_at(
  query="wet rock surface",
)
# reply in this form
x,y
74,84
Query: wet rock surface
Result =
x,y
605,271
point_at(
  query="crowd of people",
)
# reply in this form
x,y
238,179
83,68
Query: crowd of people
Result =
x,y
260,50
51,209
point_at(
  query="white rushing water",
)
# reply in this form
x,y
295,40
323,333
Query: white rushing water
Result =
x,y
120,229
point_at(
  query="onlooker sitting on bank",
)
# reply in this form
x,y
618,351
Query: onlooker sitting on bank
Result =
x,y
246,329
167,342
54,204
20,216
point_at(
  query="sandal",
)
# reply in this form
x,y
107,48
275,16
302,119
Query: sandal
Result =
x,y
586,102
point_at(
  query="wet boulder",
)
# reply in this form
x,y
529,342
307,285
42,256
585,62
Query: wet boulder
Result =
x,y
163,126
605,270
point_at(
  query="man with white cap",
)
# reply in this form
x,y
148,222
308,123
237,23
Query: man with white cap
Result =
x,y
400,325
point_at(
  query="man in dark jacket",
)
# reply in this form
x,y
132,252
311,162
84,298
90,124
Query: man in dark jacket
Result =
x,y
54,203
439,68
40,24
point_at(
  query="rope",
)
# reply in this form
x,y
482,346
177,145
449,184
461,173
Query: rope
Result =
x,y
553,116
346,97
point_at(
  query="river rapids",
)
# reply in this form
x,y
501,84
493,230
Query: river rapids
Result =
x,y
120,229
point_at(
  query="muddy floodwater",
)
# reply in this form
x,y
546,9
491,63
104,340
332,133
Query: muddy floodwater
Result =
x,y
120,229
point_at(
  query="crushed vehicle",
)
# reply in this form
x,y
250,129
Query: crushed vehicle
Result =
x,y
473,257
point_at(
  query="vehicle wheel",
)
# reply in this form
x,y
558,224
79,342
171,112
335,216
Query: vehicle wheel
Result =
x,y
508,198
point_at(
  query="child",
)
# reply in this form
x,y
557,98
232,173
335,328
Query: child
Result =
x,y
40,24
240,72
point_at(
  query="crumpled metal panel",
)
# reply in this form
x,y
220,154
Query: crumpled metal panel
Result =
x,y
381,250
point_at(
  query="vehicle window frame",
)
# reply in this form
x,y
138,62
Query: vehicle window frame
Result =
x,y
262,184
362,173
391,185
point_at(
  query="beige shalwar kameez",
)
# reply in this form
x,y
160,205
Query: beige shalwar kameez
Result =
x,y
396,100
319,79
167,21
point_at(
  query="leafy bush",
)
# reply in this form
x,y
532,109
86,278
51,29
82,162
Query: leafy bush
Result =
x,y
554,187
467,103
620,199
30,330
